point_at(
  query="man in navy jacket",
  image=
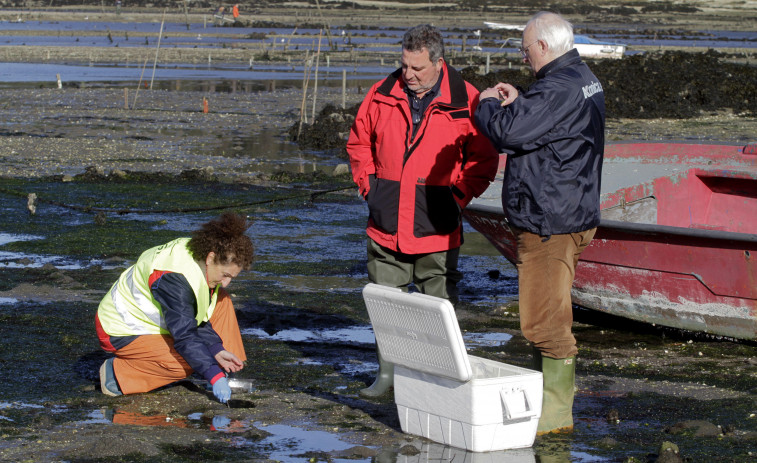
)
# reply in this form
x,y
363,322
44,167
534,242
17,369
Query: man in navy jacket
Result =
x,y
553,135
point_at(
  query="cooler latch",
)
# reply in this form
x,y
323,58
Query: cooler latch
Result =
x,y
516,403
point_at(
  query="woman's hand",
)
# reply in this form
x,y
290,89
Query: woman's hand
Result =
x,y
228,361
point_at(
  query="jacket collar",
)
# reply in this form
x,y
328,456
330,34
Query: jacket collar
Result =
x,y
452,91
567,59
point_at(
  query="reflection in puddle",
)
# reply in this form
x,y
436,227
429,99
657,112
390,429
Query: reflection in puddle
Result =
x,y
110,415
430,451
291,443
8,300
287,442
96,417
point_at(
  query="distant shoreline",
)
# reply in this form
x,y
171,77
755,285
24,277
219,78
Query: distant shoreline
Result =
x,y
716,14
399,16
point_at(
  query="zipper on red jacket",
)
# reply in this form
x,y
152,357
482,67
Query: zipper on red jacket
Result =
x,y
414,142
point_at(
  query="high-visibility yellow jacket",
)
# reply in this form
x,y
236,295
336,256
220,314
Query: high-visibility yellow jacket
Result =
x,y
129,308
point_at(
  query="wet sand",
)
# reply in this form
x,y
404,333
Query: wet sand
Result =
x,y
638,386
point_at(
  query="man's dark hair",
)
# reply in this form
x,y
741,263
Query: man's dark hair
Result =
x,y
424,36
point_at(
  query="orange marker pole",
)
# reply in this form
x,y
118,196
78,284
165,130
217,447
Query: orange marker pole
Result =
x,y
204,105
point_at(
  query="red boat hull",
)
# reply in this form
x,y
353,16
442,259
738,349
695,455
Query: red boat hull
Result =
x,y
677,250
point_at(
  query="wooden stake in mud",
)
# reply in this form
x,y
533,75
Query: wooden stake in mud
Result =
x,y
328,26
315,81
205,105
126,98
344,88
186,13
134,105
286,47
305,80
160,36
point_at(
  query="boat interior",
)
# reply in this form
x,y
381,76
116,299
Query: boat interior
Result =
x,y
701,192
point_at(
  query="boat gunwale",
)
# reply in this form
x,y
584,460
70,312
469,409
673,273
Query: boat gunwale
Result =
x,y
637,228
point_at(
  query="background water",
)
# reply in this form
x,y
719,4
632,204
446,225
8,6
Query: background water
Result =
x,y
207,36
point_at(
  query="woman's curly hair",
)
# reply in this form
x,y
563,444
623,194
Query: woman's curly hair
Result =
x,y
225,236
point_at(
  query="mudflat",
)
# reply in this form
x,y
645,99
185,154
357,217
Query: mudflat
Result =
x,y
641,389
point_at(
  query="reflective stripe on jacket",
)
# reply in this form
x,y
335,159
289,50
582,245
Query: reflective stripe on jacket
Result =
x,y
417,186
553,135
129,308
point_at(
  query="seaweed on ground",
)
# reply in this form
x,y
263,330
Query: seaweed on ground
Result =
x,y
671,84
329,130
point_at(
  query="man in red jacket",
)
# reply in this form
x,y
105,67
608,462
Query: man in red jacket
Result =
x,y
418,160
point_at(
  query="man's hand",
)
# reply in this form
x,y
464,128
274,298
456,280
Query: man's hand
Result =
x,y
506,93
228,361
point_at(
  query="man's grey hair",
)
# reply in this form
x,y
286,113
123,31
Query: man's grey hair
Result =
x,y
553,29
424,36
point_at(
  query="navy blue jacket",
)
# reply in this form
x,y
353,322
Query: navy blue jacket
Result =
x,y
197,345
553,135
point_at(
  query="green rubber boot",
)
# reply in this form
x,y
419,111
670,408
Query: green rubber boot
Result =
x,y
559,389
384,379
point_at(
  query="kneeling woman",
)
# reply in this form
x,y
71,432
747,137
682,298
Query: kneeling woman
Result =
x,y
168,315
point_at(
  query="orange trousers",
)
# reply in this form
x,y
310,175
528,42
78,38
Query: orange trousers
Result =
x,y
546,269
150,361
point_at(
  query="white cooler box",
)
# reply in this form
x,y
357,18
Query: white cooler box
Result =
x,y
442,393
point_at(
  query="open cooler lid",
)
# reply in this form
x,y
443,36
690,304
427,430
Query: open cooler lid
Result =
x,y
417,331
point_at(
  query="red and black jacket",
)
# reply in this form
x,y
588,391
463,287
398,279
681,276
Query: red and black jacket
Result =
x,y
416,186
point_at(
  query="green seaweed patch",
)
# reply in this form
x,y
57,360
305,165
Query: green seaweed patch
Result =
x,y
654,418
43,346
343,304
276,368
322,268
316,178
146,193
197,451
115,237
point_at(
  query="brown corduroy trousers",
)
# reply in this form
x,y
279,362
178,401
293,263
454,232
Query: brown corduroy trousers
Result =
x,y
546,269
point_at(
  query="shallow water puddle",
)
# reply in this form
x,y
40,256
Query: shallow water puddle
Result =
x,y
21,405
431,451
355,334
363,335
4,405
492,339
6,238
96,417
288,442
24,260
291,442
